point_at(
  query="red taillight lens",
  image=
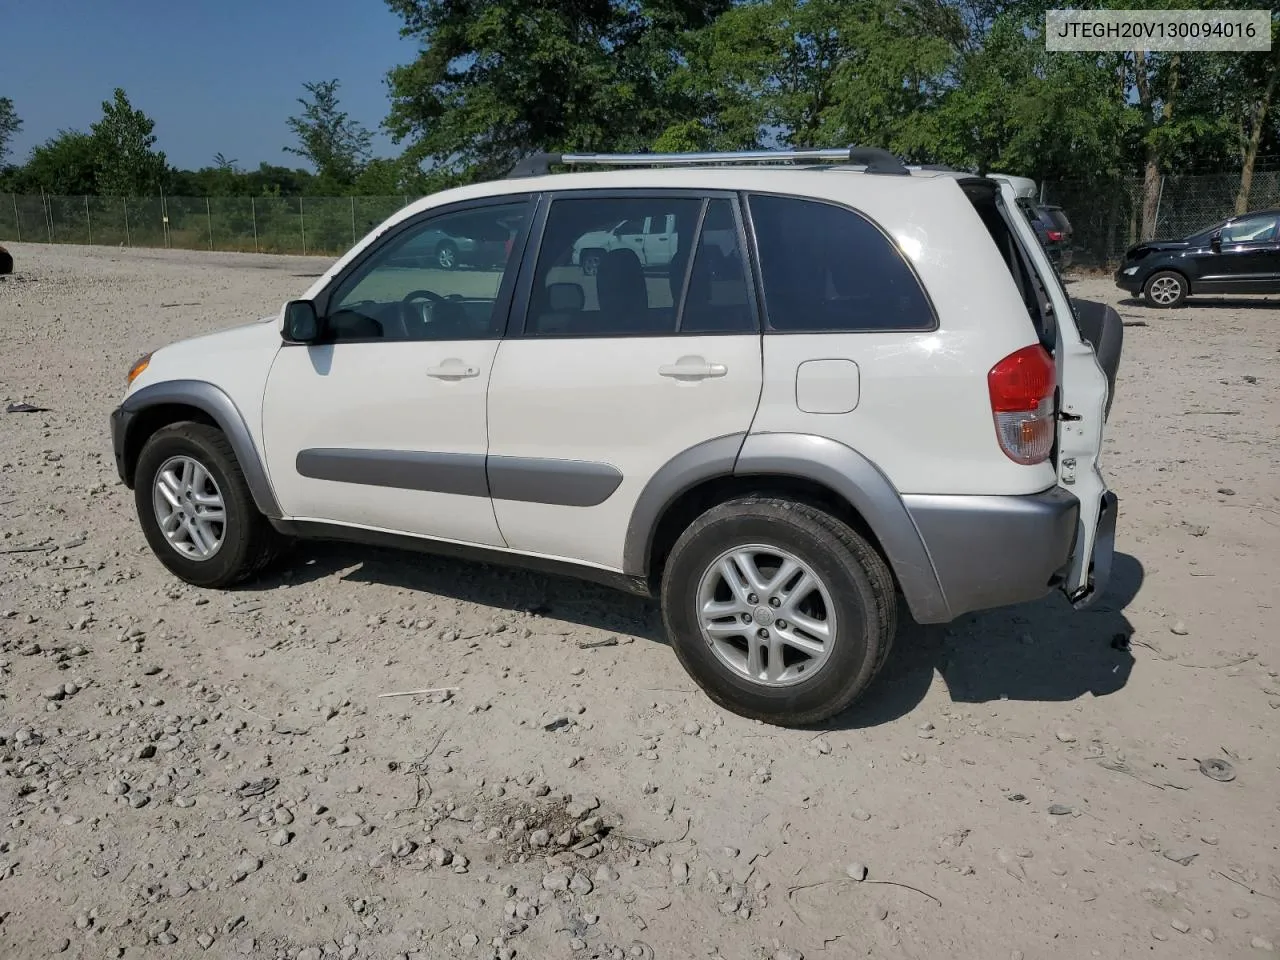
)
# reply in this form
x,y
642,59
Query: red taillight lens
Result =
x,y
1054,235
1021,387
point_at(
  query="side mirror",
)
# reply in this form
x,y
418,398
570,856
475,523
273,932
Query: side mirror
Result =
x,y
1215,241
301,323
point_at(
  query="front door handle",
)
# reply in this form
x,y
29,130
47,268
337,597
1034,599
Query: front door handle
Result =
x,y
692,368
453,369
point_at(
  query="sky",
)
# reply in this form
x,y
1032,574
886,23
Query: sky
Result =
x,y
216,76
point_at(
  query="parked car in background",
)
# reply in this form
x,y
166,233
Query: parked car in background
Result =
x,y
475,243
1239,255
1052,228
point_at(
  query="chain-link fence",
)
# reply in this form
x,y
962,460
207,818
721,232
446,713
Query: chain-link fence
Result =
x,y
1106,217
319,225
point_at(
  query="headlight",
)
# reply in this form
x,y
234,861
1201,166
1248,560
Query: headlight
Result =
x,y
1130,271
138,366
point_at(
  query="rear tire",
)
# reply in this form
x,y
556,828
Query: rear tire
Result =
x,y
1165,289
193,464
738,644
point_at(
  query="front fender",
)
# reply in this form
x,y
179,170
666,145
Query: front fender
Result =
x,y
130,417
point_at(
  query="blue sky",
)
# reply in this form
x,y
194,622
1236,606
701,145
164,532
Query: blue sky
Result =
x,y
215,75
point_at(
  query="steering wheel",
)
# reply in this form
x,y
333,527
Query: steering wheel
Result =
x,y
411,311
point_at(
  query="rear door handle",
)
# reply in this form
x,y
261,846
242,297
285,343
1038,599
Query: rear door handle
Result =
x,y
692,368
453,369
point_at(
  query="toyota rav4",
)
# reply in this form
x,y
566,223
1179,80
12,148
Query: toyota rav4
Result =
x,y
840,386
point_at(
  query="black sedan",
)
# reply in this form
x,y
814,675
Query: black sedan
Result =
x,y
1237,255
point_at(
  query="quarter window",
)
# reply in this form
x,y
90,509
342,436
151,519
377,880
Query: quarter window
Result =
x,y
828,269
438,280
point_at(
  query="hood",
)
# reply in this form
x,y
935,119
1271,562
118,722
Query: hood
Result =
x,y
1154,246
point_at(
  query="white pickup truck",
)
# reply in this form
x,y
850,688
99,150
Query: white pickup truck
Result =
x,y
654,240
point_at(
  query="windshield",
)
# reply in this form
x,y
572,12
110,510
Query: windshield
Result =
x,y
1204,232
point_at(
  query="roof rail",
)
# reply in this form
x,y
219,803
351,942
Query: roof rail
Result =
x,y
874,159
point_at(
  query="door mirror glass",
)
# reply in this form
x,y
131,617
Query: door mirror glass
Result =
x,y
301,324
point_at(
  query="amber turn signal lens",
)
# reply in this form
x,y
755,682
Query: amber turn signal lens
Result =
x,y
138,366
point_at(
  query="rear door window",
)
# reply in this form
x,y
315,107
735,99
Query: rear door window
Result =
x,y
596,274
826,268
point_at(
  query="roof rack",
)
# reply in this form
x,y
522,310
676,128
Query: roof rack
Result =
x,y
874,159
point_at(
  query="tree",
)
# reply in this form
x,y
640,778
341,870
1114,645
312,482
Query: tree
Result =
x,y
126,163
337,146
498,79
64,165
10,124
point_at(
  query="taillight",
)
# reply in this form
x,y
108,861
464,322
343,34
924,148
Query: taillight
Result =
x,y
1054,235
1021,387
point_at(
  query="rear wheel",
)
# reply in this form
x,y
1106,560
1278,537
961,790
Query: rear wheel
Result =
x,y
1165,289
196,510
778,610
590,261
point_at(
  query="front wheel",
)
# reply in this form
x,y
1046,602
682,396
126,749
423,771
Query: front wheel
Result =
x,y
447,255
1165,289
779,611
196,510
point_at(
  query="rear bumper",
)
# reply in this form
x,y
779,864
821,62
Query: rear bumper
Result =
x,y
993,551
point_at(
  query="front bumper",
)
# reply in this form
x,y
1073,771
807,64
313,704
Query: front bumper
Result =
x,y
991,551
120,418
1130,283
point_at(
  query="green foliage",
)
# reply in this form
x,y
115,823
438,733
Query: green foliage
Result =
x,y
497,79
337,146
64,164
10,124
123,140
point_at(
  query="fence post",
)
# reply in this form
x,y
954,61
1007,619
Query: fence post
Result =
x,y
88,219
253,215
302,218
128,237
48,214
353,221
208,216
17,217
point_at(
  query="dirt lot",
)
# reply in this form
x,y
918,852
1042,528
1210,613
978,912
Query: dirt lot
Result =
x,y
190,772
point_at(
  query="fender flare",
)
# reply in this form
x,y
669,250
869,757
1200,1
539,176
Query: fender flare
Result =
x,y
213,401
821,460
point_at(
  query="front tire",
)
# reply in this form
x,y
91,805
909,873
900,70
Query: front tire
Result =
x,y
196,510
1165,289
447,255
779,611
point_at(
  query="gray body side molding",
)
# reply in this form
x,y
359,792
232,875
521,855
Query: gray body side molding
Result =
x,y
856,479
704,461
562,483
461,474
213,401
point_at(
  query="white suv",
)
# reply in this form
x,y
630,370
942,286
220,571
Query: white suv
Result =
x,y
879,387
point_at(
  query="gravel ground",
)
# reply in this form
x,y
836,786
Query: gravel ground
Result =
x,y
186,772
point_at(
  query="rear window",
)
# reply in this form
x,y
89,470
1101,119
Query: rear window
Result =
x,y
1059,217
825,268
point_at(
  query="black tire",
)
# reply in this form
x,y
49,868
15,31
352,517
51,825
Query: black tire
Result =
x,y
853,573
1160,280
447,255
248,541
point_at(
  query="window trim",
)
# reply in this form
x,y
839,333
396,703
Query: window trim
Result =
x,y
518,317
767,326
502,302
